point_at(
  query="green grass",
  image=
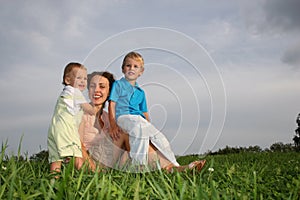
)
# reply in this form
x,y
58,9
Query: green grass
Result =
x,y
263,175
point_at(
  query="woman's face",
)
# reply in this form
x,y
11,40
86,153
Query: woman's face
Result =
x,y
98,90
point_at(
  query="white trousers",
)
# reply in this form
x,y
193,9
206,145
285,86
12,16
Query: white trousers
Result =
x,y
141,132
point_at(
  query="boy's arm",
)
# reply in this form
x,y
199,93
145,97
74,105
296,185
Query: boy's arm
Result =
x,y
147,116
114,129
88,108
143,107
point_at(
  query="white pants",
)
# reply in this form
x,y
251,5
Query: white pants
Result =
x,y
141,132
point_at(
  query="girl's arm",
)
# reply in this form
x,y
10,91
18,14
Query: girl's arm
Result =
x,y
88,108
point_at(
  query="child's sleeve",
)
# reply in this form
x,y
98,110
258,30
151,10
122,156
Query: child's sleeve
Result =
x,y
79,97
115,91
73,99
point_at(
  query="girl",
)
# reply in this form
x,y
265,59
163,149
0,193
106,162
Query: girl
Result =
x,y
63,136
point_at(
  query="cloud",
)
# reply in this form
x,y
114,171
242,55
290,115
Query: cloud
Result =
x,y
272,16
39,38
282,15
292,55
262,105
277,21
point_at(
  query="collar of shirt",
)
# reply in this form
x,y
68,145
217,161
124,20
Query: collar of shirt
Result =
x,y
128,85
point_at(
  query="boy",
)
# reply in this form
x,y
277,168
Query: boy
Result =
x,y
128,110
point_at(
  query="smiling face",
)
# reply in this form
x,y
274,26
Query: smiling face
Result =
x,y
80,79
98,90
77,78
132,69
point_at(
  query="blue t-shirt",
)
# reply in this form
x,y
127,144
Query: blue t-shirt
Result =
x,y
129,99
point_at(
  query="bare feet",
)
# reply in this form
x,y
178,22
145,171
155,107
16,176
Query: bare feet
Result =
x,y
197,165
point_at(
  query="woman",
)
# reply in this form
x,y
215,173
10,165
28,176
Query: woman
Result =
x,y
94,134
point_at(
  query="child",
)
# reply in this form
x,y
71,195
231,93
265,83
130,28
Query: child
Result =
x,y
128,110
63,136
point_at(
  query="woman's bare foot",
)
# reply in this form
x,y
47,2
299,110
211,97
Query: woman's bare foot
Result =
x,y
197,165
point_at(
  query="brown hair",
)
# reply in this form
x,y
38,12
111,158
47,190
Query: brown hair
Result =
x,y
134,55
106,74
69,68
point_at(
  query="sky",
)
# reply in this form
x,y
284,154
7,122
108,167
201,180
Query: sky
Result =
x,y
217,73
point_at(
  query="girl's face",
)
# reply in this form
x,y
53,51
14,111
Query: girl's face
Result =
x,y
98,90
78,79
132,69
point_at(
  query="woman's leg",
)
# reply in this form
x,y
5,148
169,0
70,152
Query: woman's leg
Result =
x,y
121,149
154,156
169,166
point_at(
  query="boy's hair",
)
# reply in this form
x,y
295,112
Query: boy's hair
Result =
x,y
69,68
133,55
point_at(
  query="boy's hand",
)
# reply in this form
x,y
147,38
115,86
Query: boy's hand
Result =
x,y
114,132
114,129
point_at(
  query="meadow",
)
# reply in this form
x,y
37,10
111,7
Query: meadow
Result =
x,y
248,175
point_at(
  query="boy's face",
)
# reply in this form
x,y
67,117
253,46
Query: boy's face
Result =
x,y
78,79
132,69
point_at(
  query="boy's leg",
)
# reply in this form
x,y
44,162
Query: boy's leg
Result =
x,y
135,126
139,148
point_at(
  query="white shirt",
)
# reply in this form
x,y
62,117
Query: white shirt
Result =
x,y
73,97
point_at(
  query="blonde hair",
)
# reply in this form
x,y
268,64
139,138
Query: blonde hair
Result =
x,y
133,55
69,68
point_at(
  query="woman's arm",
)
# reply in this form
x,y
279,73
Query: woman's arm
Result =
x,y
85,155
87,158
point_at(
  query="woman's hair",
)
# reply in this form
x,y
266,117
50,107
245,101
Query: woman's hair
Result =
x,y
133,55
106,74
69,68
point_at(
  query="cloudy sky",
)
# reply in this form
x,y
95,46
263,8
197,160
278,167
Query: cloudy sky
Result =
x,y
217,72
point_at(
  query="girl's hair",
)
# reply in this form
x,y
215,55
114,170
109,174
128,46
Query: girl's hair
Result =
x,y
106,74
133,55
69,68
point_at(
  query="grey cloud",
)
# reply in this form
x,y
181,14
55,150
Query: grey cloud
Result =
x,y
272,16
39,38
292,55
284,15
279,20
